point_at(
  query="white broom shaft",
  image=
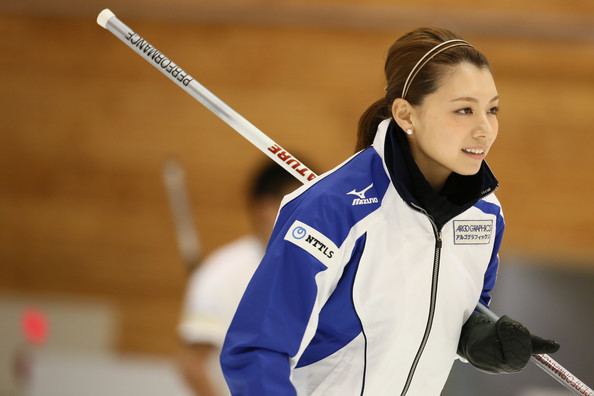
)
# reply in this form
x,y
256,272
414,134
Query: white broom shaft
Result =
x,y
193,88
186,82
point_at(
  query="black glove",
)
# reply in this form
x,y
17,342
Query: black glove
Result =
x,y
504,346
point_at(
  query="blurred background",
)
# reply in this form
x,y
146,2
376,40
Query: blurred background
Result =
x,y
87,241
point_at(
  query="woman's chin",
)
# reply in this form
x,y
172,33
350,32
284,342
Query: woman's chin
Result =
x,y
468,171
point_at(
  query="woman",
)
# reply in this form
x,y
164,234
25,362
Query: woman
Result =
x,y
373,272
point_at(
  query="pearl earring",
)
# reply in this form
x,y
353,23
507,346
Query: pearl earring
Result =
x,y
409,131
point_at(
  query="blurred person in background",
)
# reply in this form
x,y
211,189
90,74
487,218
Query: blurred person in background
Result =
x,y
216,286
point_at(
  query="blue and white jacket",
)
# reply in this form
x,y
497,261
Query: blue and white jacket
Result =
x,y
363,291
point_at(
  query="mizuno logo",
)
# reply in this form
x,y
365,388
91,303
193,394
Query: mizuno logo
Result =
x,y
361,198
360,194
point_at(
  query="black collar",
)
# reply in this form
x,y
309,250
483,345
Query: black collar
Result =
x,y
458,194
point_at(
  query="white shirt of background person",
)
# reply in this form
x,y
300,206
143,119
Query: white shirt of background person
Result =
x,y
217,285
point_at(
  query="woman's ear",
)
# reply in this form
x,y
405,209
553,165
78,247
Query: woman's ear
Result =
x,y
402,113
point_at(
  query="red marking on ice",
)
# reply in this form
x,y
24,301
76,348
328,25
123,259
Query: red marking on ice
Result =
x,y
35,326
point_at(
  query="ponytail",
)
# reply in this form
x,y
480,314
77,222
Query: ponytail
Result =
x,y
369,121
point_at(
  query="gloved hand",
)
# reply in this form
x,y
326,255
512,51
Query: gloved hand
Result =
x,y
504,346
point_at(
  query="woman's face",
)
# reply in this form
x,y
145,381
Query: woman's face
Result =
x,y
454,127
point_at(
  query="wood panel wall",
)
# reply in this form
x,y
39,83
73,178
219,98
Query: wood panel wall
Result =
x,y
86,125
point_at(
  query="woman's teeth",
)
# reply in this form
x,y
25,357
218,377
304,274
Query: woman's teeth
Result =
x,y
474,151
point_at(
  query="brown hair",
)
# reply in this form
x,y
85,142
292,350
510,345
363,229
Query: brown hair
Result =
x,y
402,57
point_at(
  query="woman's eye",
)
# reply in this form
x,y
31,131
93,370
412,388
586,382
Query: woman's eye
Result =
x,y
494,110
466,110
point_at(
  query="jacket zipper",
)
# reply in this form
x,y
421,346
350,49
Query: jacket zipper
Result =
x,y
434,280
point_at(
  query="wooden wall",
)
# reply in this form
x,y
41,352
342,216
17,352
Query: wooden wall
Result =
x,y
86,125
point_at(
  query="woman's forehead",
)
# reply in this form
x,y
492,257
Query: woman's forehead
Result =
x,y
466,80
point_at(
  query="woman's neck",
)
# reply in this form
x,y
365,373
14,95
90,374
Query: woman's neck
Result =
x,y
435,173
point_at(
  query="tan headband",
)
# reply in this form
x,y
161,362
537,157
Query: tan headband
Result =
x,y
433,52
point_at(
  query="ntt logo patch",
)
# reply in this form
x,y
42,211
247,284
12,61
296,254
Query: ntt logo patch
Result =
x,y
299,232
312,241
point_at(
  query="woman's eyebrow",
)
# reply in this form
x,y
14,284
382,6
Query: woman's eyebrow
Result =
x,y
471,99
